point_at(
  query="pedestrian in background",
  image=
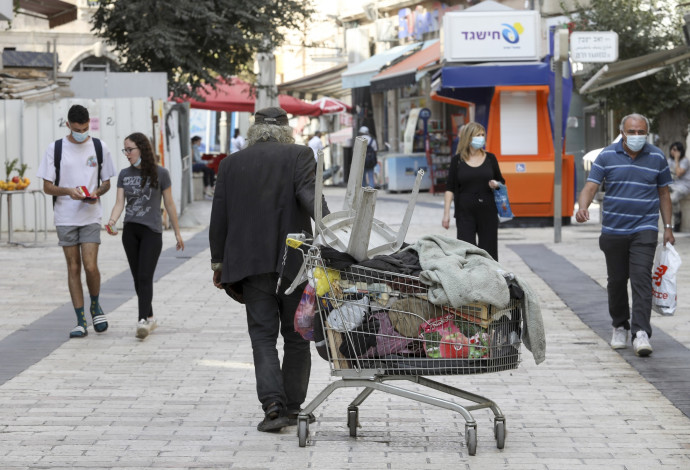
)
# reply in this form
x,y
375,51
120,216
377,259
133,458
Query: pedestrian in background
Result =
x,y
680,187
316,144
237,142
637,188
473,175
83,162
199,166
368,176
141,186
265,192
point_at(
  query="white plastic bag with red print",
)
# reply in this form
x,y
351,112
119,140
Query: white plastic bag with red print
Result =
x,y
666,264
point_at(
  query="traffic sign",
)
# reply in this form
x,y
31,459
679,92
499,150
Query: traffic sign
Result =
x,y
594,46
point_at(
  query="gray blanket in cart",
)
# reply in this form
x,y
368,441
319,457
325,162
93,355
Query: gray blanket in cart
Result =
x,y
458,273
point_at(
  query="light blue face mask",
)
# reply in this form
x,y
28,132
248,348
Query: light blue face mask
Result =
x,y
478,142
635,142
80,136
137,163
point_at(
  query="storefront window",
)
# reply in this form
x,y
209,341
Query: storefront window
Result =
x,y
519,133
410,99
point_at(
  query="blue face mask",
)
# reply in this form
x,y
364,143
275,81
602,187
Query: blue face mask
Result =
x,y
137,163
478,142
80,136
635,142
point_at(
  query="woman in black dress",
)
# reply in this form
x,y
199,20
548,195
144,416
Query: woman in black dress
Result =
x,y
473,175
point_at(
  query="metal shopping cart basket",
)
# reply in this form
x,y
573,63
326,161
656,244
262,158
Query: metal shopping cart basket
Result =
x,y
377,326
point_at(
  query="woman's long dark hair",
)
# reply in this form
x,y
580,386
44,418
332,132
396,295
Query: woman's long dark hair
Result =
x,y
679,146
149,170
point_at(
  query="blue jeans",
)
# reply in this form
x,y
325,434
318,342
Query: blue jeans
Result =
x,y
267,314
630,257
368,175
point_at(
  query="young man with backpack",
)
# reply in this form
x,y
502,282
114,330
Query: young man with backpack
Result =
x,y
370,159
76,171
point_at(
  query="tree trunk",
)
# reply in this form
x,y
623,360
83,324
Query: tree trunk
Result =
x,y
673,127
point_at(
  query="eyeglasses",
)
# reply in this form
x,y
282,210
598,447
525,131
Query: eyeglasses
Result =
x,y
127,151
640,132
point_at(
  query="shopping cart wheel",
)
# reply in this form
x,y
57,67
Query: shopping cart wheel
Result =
x,y
471,439
500,432
302,431
352,420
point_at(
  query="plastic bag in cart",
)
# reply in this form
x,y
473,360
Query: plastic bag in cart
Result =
x,y
666,265
444,339
304,316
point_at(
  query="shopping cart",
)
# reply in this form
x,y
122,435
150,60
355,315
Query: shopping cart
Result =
x,y
377,326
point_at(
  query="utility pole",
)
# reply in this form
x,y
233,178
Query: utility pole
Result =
x,y
560,54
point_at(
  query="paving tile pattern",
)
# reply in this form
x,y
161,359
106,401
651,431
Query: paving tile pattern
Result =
x,y
185,397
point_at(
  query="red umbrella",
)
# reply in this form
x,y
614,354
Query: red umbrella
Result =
x,y
331,105
235,94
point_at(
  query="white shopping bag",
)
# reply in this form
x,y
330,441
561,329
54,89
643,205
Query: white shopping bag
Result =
x,y
666,264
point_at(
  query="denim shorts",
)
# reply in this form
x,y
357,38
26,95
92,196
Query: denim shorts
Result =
x,y
71,235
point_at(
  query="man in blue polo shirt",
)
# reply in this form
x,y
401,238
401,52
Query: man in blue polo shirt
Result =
x,y
637,178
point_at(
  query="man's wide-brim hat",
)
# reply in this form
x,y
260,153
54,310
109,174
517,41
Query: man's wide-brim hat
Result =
x,y
276,116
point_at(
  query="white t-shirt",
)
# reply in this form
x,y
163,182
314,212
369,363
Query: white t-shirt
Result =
x,y
316,145
236,144
78,167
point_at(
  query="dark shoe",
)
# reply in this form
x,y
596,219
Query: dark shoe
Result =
x,y
292,417
274,420
100,323
78,332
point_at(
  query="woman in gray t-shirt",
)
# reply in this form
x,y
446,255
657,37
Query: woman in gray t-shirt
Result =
x,y
141,186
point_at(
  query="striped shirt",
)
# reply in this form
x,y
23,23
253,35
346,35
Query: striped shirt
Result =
x,y
631,200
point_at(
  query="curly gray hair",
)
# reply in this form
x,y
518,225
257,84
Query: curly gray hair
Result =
x,y
269,132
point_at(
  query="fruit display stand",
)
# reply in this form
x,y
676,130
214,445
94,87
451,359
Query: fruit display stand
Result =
x,y
10,227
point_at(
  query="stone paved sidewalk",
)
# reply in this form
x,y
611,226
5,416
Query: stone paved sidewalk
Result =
x,y
185,397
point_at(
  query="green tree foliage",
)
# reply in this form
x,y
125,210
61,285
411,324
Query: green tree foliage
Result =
x,y
643,27
196,41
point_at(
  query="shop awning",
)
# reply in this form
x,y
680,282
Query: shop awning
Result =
x,y
409,70
360,75
237,95
311,87
341,136
628,70
495,74
55,11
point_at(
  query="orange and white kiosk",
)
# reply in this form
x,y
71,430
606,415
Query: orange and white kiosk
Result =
x,y
493,67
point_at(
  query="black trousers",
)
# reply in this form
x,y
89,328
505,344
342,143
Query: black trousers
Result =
x,y
267,314
209,175
476,219
143,248
630,257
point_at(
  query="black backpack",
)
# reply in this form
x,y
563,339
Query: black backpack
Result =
x,y
58,156
370,159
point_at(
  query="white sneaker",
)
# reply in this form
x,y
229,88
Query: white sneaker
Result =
x,y
641,344
143,329
619,339
153,324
